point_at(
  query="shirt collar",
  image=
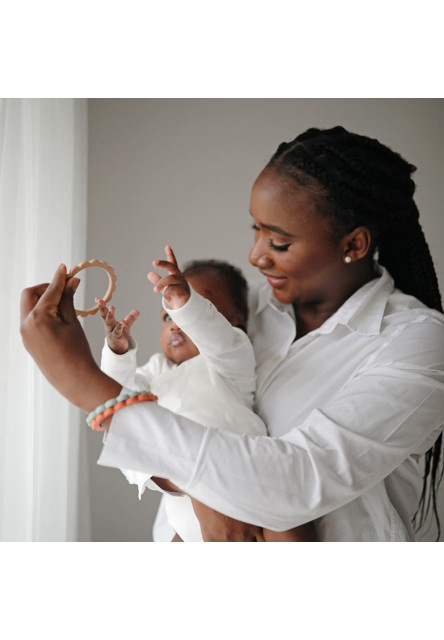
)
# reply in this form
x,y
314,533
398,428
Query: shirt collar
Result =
x,y
362,312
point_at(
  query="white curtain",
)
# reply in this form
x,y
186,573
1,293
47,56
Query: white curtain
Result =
x,y
43,168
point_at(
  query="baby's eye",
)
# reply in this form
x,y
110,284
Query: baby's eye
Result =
x,y
255,227
167,317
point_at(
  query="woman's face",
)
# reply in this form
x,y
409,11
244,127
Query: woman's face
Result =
x,y
293,246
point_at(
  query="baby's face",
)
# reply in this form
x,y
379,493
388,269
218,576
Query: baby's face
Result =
x,y
175,344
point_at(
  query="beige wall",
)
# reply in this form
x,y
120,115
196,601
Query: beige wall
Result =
x,y
180,172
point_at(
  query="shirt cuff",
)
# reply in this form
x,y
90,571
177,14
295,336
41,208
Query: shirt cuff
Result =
x,y
116,362
192,310
148,438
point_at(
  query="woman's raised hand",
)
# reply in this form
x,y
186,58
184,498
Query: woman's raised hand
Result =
x,y
174,288
56,341
117,333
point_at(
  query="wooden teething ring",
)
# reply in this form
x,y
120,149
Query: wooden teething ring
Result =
x,y
111,285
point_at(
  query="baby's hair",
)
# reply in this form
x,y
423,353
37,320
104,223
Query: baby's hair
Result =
x,y
231,275
356,181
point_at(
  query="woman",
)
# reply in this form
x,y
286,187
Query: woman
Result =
x,y
350,368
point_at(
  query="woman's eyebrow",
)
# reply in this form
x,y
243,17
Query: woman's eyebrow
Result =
x,y
275,229
278,230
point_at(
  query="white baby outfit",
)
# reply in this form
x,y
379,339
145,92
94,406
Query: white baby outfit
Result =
x,y
215,388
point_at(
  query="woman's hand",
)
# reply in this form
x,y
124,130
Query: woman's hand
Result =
x,y
303,533
56,341
117,333
216,527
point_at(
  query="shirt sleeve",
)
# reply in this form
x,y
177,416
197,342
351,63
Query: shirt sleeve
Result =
x,y
123,368
227,349
382,415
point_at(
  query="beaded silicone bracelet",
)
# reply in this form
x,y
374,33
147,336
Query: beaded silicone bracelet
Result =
x,y
96,417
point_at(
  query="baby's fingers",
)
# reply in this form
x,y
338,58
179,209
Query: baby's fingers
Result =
x,y
102,307
170,255
168,281
107,314
153,277
169,266
131,318
117,332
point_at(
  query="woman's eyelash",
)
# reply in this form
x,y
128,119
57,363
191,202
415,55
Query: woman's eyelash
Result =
x,y
279,247
275,247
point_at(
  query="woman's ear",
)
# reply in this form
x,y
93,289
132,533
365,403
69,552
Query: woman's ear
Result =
x,y
357,244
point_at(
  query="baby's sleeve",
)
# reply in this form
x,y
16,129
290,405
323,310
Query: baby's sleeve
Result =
x,y
227,349
123,368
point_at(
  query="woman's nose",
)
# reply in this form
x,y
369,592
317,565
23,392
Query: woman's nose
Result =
x,y
259,257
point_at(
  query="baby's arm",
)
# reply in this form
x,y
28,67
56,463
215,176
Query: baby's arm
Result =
x,y
227,348
119,353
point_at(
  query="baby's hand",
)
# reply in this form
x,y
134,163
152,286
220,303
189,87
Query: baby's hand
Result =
x,y
175,289
117,333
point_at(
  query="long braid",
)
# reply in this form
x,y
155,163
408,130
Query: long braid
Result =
x,y
412,264
360,181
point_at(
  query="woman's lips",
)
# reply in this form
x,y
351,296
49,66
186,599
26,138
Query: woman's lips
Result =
x,y
275,281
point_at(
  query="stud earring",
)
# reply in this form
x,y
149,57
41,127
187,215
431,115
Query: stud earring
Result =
x,y
347,259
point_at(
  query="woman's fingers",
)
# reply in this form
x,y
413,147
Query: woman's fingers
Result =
x,y
66,306
53,294
29,299
44,295
55,298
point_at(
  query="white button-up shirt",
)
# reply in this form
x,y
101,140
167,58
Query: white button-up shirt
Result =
x,y
350,407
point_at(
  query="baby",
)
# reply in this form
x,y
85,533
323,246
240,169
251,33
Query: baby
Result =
x,y
206,370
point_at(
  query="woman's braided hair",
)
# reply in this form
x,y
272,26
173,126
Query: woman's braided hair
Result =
x,y
359,181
